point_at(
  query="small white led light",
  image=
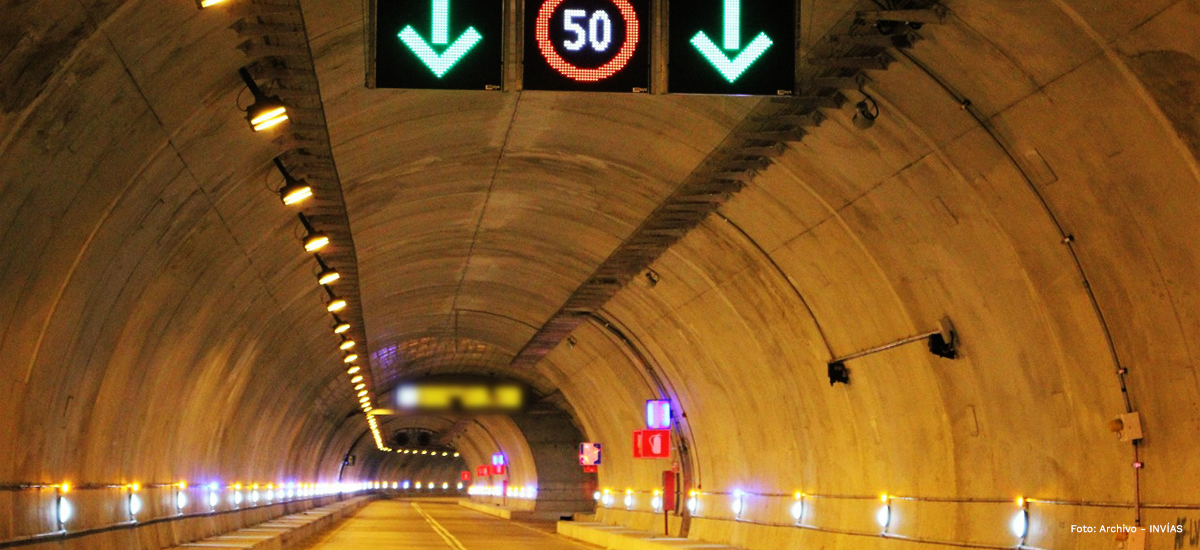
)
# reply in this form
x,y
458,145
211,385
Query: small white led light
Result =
x,y
135,505
65,511
693,504
738,503
213,500
596,495
798,510
656,502
181,501
1020,524
628,501
884,516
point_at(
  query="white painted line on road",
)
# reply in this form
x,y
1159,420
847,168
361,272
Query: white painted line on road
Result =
x,y
441,531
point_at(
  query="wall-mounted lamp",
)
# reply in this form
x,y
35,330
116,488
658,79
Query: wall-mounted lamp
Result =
x,y
266,111
313,240
340,326
866,111
293,191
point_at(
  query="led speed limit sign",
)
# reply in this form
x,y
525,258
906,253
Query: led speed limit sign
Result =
x,y
587,45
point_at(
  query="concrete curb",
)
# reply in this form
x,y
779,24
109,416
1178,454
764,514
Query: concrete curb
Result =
x,y
285,532
615,537
491,510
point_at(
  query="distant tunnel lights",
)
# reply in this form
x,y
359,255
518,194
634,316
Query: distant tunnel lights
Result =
x,y
208,3
341,327
356,379
346,344
334,305
266,111
350,358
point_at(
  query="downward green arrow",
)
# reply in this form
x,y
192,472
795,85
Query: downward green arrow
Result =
x,y
732,68
441,63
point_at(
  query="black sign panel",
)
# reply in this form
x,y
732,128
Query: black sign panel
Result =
x,y
439,44
734,47
587,45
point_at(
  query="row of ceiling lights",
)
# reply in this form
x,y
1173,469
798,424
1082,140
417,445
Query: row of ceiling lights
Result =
x,y
268,112
426,452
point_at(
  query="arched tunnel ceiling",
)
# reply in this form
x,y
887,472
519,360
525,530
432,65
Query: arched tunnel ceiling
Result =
x,y
162,321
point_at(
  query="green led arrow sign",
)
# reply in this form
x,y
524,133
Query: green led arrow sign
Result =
x,y
732,68
441,63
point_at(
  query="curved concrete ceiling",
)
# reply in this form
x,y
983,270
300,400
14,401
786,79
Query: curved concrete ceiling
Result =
x,y
1032,176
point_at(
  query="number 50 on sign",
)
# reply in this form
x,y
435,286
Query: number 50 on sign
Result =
x,y
587,45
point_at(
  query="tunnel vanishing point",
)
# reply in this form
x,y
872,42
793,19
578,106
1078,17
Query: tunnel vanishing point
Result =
x,y
941,293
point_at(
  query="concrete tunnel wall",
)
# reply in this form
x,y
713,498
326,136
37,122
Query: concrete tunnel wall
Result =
x,y
858,238
161,322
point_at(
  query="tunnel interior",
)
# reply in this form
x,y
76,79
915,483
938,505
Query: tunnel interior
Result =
x,y
967,322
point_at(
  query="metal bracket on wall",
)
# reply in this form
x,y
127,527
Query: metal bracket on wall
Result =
x,y
943,342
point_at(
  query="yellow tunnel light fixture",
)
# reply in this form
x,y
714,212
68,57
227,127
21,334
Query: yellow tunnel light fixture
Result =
x,y
266,111
336,304
65,487
313,240
364,400
294,191
341,327
350,358
362,393
134,487
356,379
360,386
347,344
353,369
328,277
208,3
182,485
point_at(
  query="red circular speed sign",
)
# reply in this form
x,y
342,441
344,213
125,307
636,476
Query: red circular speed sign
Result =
x,y
632,34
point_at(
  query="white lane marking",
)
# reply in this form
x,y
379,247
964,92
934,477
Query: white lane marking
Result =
x,y
441,531
557,537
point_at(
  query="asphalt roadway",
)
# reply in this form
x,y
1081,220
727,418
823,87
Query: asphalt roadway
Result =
x,y
431,524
